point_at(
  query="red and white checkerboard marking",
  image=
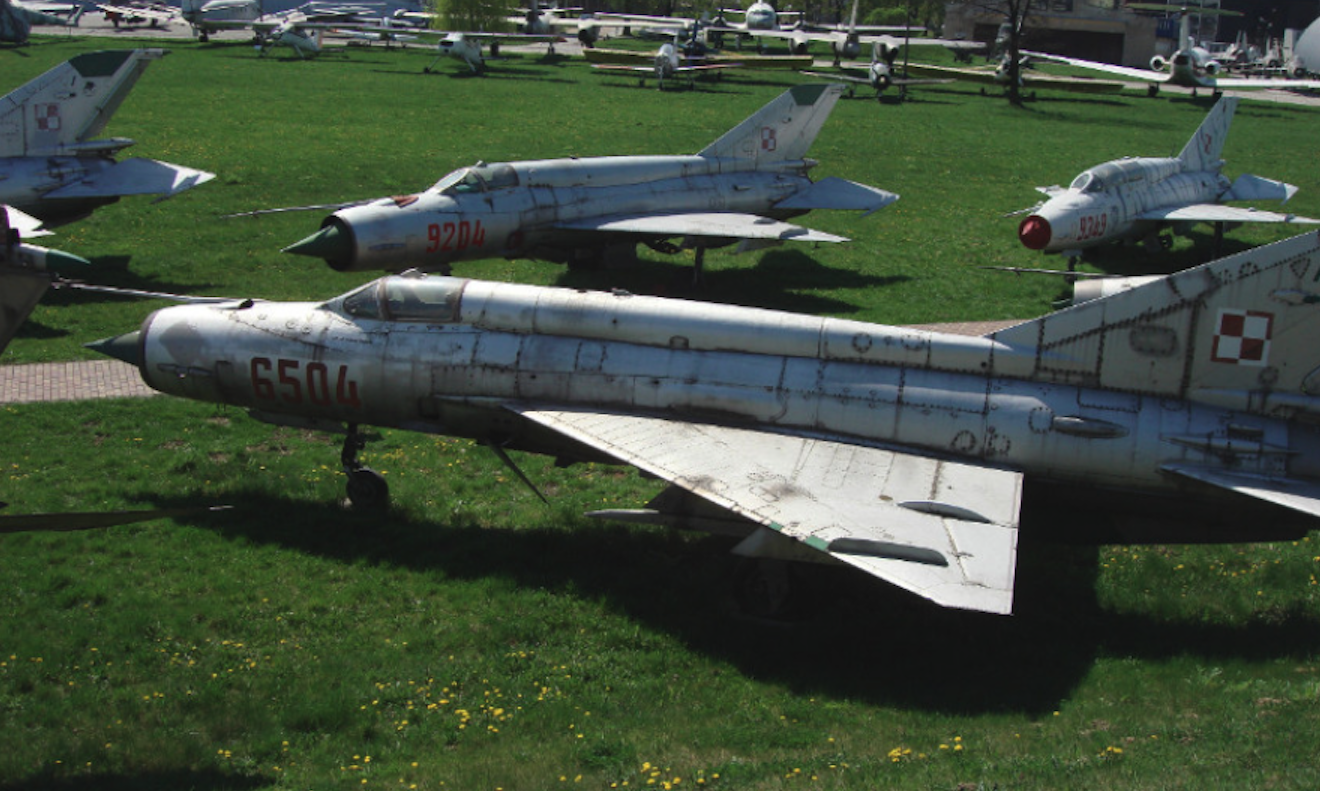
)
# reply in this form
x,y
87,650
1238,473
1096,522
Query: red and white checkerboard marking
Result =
x,y
47,117
768,140
1242,337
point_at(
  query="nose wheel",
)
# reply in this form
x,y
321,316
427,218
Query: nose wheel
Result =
x,y
367,488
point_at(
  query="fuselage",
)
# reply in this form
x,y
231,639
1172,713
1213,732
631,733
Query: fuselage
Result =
x,y
445,355
528,209
1104,204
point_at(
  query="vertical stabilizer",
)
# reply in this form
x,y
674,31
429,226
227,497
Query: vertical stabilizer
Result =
x,y
1203,151
1239,332
781,131
71,103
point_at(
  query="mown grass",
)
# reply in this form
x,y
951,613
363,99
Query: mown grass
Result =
x,y
474,638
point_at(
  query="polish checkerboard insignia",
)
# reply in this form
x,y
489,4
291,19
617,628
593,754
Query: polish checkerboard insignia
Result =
x,y
768,141
1242,337
47,117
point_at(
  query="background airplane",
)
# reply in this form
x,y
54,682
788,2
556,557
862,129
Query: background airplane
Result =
x,y
900,452
1190,66
588,210
1133,198
18,16
880,74
466,45
50,164
669,62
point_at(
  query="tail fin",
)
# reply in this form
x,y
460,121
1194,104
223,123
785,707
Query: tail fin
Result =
x,y
783,130
1203,151
1239,332
71,103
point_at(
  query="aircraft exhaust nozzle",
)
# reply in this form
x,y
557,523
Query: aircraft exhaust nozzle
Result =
x,y
1035,232
333,243
1157,63
126,347
1213,68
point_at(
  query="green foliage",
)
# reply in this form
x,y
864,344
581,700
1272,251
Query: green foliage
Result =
x,y
476,15
472,638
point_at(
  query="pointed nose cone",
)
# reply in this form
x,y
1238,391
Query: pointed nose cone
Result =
x,y
1035,232
331,243
126,347
60,261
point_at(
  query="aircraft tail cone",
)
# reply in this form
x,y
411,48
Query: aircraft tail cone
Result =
x,y
1035,232
126,347
331,243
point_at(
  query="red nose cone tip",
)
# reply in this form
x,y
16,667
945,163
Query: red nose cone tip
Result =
x,y
1035,232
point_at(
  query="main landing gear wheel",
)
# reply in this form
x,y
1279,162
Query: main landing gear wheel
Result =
x,y
367,488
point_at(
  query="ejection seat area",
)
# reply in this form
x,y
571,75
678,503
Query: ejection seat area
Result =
x,y
429,300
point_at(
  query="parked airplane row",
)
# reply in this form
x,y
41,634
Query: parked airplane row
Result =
x,y
902,453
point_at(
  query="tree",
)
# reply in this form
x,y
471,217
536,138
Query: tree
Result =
x,y
1013,14
484,15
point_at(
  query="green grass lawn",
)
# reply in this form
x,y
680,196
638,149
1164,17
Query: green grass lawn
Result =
x,y
474,638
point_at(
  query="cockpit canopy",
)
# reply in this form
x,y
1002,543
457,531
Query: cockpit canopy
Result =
x,y
430,300
478,178
1123,171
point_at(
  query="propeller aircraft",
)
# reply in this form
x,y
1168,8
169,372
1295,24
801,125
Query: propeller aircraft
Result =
x,y
880,74
1131,199
50,164
587,211
898,451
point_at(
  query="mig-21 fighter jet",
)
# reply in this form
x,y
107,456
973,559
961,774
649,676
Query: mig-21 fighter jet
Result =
x,y
901,452
583,211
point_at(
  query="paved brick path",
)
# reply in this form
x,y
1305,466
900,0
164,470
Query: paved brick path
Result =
x,y
72,381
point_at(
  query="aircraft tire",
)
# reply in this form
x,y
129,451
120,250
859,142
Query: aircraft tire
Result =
x,y
367,489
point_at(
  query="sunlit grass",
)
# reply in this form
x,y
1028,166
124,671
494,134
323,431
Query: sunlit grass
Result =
x,y
473,638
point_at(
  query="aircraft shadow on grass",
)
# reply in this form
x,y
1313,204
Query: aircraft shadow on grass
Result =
x,y
857,639
772,284
197,780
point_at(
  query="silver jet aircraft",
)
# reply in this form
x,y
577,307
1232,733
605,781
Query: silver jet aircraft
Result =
x,y
51,165
1189,67
898,451
582,211
1131,199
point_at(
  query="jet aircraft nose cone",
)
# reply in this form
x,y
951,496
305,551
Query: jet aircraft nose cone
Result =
x,y
60,261
332,243
1035,232
126,347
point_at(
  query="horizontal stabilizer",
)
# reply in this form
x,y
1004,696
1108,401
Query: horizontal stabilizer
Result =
x,y
725,225
1296,495
26,225
942,530
135,177
1249,187
1214,212
837,193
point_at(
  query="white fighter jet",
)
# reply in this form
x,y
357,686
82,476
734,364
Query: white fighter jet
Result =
x,y
1190,67
901,452
51,165
583,211
1131,199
